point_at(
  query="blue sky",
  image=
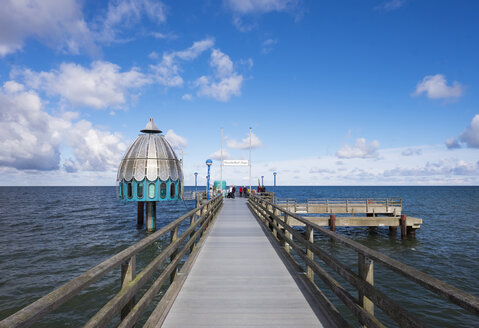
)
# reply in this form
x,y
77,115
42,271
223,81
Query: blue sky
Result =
x,y
377,92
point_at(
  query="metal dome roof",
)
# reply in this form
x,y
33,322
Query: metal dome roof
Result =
x,y
150,156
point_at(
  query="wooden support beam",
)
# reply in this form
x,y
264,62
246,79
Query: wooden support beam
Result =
x,y
366,272
151,216
411,231
288,234
332,222
309,235
141,213
393,230
128,273
403,222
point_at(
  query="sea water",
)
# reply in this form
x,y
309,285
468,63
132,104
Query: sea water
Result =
x,y
50,235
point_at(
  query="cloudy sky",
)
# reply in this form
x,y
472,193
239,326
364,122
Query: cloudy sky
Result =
x,y
376,92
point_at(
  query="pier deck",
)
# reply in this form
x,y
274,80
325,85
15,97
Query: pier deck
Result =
x,y
240,280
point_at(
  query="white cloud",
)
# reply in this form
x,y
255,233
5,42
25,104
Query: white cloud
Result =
x,y
195,50
217,155
221,90
29,137
439,168
361,149
167,71
268,45
391,5
435,87
12,87
167,36
471,135
452,143
248,10
244,144
436,166
226,82
70,166
412,152
125,13
260,6
153,55
59,24
321,170
32,139
248,63
94,149
239,23
469,138
101,86
187,96
176,141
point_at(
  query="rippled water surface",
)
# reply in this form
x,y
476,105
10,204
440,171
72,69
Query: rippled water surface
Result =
x,y
50,235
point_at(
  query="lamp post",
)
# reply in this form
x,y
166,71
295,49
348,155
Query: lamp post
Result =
x,y
196,181
274,188
209,162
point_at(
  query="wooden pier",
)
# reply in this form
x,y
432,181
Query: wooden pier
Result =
x,y
240,280
361,212
232,267
369,206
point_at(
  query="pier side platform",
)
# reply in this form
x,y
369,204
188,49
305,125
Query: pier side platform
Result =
x,y
239,280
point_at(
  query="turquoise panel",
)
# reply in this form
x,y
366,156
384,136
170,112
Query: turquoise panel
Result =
x,y
145,190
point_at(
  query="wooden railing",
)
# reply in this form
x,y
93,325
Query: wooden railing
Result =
x,y
388,206
123,303
267,196
277,220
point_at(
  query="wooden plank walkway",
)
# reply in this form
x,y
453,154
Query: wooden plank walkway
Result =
x,y
238,280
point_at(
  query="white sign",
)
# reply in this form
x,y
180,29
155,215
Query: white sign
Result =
x,y
235,162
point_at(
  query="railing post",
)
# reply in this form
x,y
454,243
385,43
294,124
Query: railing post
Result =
x,y
275,224
277,213
192,223
173,238
309,235
287,220
366,272
128,273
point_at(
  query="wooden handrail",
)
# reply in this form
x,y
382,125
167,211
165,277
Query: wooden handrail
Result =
x,y
271,214
35,311
383,301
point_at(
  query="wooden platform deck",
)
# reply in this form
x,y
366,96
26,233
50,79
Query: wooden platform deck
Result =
x,y
239,280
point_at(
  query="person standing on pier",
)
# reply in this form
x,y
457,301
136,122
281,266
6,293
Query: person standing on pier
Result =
x,y
241,191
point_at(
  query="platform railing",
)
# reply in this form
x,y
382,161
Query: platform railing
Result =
x,y
387,206
124,302
277,220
